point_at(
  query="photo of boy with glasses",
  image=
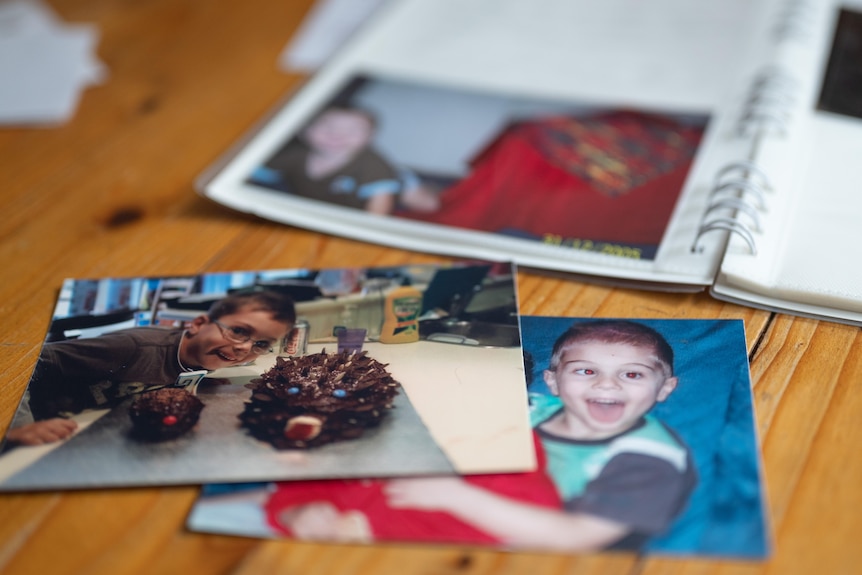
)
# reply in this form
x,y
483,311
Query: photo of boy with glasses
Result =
x,y
99,372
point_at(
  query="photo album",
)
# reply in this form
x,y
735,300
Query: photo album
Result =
x,y
275,375
634,144
645,441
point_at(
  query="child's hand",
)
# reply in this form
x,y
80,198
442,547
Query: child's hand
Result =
x,y
316,521
41,432
429,494
322,521
353,527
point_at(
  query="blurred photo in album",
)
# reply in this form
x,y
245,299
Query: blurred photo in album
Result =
x,y
275,374
645,442
677,146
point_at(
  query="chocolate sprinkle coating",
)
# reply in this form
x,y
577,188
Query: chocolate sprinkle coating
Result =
x,y
307,385
149,410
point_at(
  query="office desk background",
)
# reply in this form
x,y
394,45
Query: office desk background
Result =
x,y
110,194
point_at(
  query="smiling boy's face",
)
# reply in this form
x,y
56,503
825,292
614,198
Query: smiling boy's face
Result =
x,y
339,131
607,387
206,347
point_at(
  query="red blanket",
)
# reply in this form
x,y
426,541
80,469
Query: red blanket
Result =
x,y
612,178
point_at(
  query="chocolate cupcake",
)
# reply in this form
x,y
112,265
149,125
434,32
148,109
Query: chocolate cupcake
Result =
x,y
319,398
163,414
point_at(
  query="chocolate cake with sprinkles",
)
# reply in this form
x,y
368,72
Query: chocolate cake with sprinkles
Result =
x,y
163,414
319,398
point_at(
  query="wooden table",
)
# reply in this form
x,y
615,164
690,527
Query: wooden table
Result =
x,y
110,194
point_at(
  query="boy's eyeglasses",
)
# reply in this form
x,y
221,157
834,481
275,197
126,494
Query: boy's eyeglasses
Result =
x,y
242,335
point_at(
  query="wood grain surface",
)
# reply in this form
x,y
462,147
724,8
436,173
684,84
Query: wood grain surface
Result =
x,y
110,193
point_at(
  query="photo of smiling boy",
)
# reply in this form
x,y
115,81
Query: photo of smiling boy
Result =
x,y
608,456
333,160
98,372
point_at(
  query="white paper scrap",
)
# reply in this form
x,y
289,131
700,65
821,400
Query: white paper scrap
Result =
x,y
44,64
326,27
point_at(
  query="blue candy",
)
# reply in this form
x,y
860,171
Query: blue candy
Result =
x,y
339,393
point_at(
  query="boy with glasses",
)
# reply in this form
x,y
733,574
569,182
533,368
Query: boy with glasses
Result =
x,y
99,372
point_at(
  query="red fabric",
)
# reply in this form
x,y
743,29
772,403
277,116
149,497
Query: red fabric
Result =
x,y
618,185
390,524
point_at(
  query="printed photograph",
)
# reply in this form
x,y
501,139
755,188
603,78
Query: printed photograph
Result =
x,y
279,374
576,175
645,441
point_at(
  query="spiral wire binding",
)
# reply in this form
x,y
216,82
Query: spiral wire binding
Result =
x,y
792,22
738,204
742,187
768,107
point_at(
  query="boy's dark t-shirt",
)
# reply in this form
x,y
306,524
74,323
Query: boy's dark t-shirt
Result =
x,y
642,477
98,372
366,175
